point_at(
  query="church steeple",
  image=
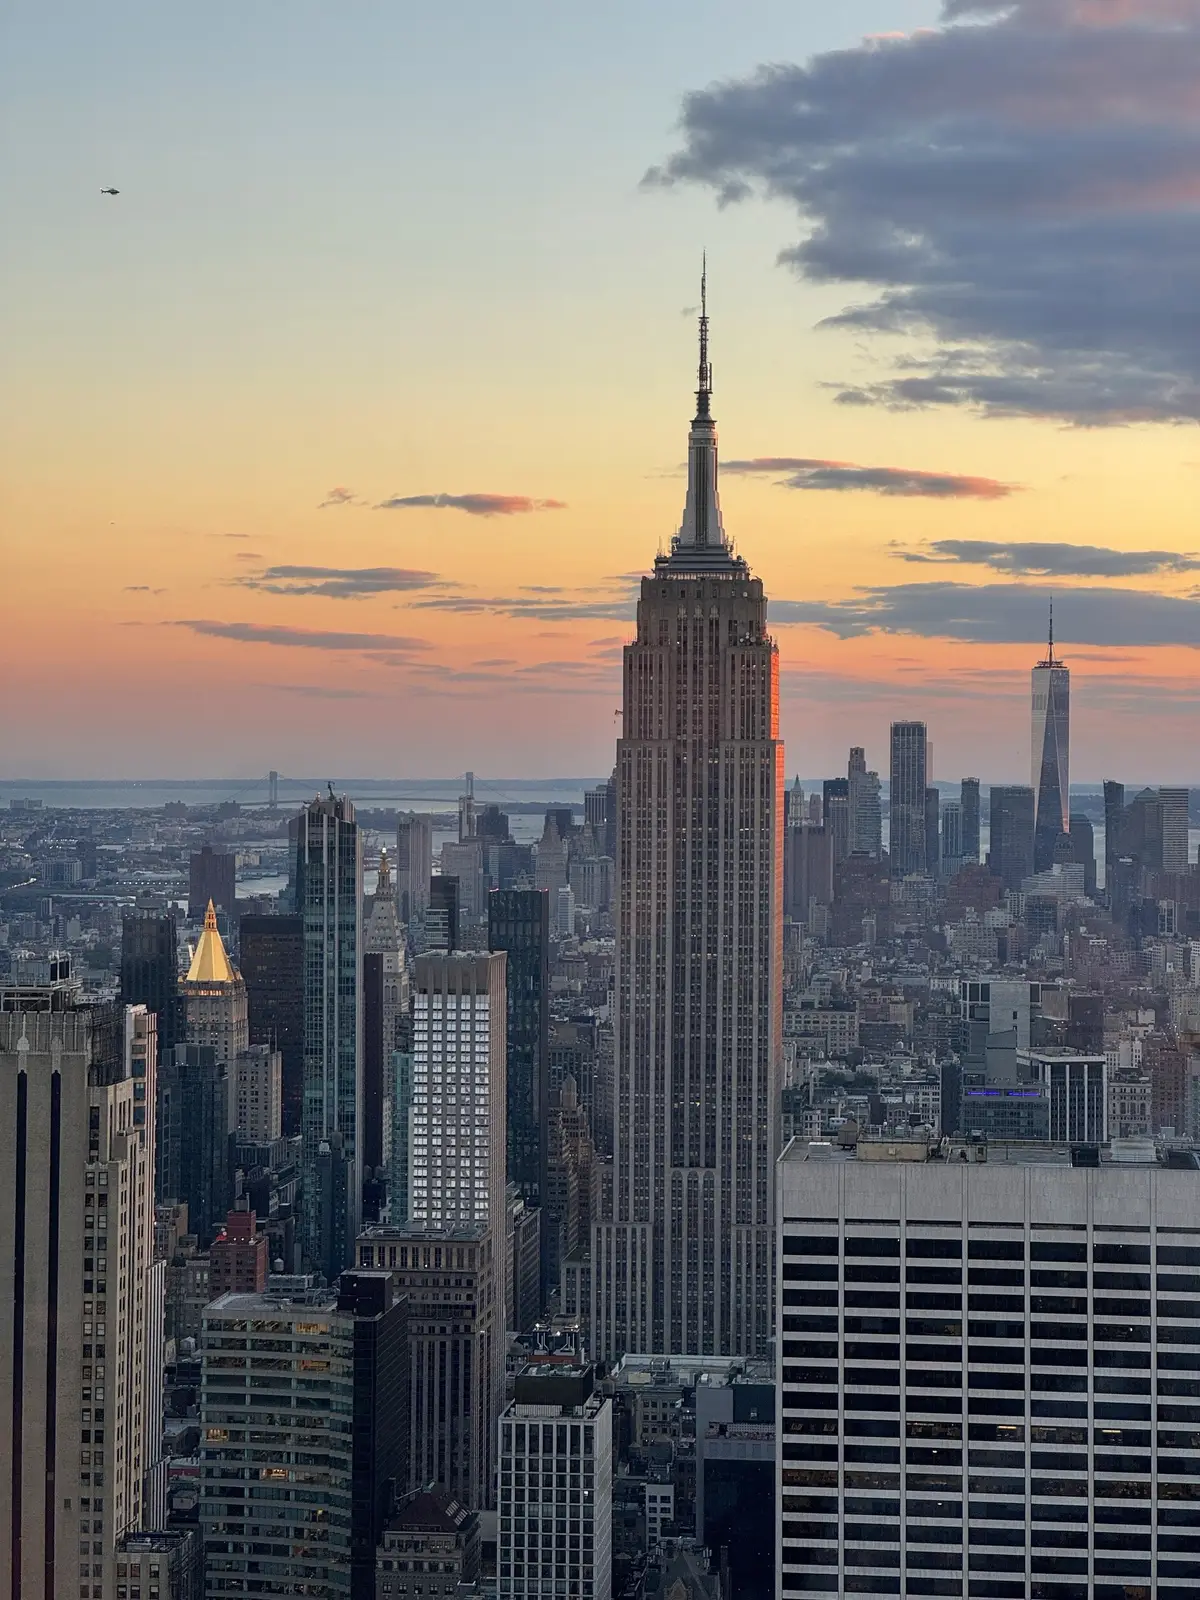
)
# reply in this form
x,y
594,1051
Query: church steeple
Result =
x,y
702,529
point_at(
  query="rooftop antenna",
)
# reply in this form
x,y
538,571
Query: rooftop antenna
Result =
x,y
704,391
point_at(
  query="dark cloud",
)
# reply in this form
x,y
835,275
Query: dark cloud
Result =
x,y
1017,193
340,583
1009,613
616,609
302,638
340,495
614,600
475,505
1051,560
804,473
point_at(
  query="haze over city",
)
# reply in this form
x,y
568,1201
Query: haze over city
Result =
x,y
349,423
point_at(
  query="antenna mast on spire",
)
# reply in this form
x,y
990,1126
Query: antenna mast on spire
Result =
x,y
1050,660
704,391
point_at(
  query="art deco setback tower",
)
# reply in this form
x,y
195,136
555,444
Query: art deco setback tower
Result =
x,y
683,1264
1051,753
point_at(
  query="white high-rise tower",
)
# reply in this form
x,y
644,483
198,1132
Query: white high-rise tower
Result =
x,y
683,1265
1050,753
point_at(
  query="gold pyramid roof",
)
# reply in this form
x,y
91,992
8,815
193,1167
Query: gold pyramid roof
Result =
x,y
210,964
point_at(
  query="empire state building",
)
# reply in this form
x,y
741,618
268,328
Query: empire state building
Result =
x,y
683,1262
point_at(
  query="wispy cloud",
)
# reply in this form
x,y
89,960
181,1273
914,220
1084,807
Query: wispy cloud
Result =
x,y
339,583
320,691
475,505
387,644
340,495
1009,613
801,472
1050,560
1018,193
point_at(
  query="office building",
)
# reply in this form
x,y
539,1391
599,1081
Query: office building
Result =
x,y
735,1476
684,1261
807,869
906,805
600,815
1006,1445
933,831
414,865
81,1336
1083,850
385,1004
1002,1113
457,1155
465,860
835,813
272,966
213,877
556,1473
866,814
523,1307
442,914
214,997
431,1542
1114,826
1077,1088
550,866
453,1281
329,897
969,799
400,1110
194,1124
1010,853
571,1202
1050,750
258,1094
306,1389
379,1468
237,1257
150,966
276,1409
167,1564
952,836
519,924
1175,850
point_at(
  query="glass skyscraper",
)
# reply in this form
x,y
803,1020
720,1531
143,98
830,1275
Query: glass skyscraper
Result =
x,y
519,923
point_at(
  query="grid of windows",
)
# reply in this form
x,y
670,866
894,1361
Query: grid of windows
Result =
x,y
990,1411
555,1501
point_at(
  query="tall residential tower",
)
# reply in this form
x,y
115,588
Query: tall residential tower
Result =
x,y
329,897
683,1263
1051,754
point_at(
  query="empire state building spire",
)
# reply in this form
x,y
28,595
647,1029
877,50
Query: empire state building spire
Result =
x,y
702,529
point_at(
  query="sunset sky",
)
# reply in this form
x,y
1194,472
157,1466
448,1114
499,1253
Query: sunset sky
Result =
x,y
337,440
